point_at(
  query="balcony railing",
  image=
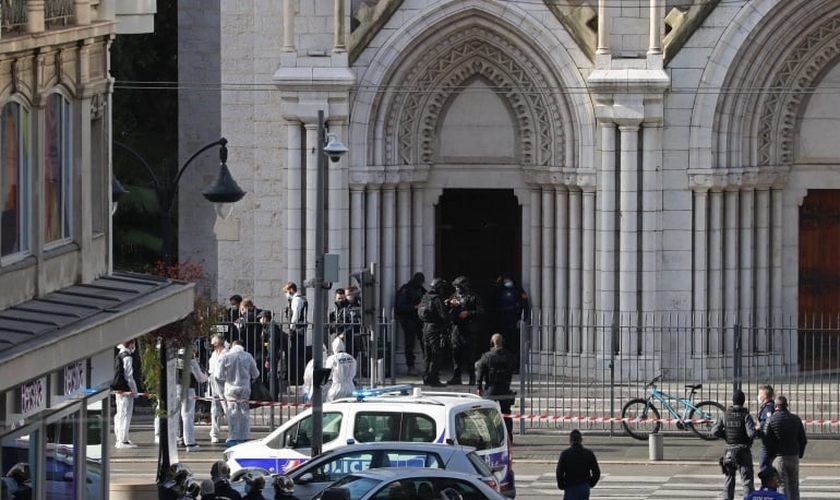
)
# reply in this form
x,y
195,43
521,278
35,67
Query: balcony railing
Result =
x,y
14,15
59,12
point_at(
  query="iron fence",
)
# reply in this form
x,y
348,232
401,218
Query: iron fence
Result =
x,y
14,14
59,12
580,369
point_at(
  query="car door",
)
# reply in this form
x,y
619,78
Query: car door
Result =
x,y
318,476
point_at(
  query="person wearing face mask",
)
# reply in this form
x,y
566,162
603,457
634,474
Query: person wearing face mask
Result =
x,y
124,380
300,338
343,321
406,303
511,309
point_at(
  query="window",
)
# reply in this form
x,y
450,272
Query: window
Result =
x,y
481,428
57,169
300,434
418,428
14,180
376,427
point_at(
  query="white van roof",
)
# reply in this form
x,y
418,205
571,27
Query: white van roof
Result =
x,y
409,394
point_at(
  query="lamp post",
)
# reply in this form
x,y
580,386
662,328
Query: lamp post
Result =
x,y
335,150
224,191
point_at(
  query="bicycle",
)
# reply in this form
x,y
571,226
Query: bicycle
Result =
x,y
638,414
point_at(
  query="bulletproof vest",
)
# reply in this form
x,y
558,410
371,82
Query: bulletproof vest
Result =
x,y
499,372
507,301
736,428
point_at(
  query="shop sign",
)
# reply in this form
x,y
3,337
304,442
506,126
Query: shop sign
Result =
x,y
74,378
32,396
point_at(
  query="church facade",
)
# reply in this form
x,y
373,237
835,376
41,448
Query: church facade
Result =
x,y
619,158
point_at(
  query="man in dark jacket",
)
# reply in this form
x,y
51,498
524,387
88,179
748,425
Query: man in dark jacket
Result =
x,y
766,408
405,307
493,372
786,441
577,470
738,428
436,324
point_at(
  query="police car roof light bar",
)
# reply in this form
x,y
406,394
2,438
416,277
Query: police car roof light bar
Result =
x,y
361,394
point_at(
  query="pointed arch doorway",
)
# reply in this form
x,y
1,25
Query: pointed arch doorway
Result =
x,y
478,235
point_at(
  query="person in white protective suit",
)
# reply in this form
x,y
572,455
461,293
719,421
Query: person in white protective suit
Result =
x,y
343,367
238,370
195,376
308,375
218,408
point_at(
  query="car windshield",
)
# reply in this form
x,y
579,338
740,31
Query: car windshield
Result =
x,y
358,486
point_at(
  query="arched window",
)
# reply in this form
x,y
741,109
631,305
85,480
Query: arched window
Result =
x,y
57,169
15,190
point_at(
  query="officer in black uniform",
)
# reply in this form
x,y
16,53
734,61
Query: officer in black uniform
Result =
x,y
738,427
406,303
493,372
467,311
436,323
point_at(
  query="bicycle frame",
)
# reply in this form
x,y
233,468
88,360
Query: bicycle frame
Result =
x,y
664,399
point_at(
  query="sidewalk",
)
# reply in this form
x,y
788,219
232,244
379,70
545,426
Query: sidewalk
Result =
x,y
536,446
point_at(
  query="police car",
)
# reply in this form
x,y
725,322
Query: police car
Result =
x,y
330,466
398,413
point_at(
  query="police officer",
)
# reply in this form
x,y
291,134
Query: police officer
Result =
x,y
467,311
738,427
493,371
284,488
220,475
766,406
405,309
512,302
436,323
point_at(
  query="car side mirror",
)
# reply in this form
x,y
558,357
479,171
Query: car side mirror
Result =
x,y
306,478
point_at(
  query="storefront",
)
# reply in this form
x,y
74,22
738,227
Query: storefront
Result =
x,y
54,381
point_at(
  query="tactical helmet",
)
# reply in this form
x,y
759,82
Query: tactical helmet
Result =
x,y
255,480
220,469
19,472
193,488
284,485
461,282
438,285
179,473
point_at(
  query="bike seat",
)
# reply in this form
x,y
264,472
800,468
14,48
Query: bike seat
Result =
x,y
694,387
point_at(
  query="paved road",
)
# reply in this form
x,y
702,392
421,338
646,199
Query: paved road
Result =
x,y
688,470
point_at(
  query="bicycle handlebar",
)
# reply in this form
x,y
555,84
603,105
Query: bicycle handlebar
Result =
x,y
654,381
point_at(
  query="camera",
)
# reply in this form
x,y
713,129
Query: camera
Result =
x,y
334,148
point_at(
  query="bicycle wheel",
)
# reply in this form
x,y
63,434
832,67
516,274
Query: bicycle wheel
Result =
x,y
640,419
708,411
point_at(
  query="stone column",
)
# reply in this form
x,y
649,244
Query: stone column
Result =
x,y
603,28
431,199
389,247
746,250
418,261
763,248
35,16
357,227
714,293
651,201
536,243
656,13
628,269
289,25
587,286
575,266
606,300
82,10
294,205
730,257
548,288
372,230
699,255
561,265
339,44
404,269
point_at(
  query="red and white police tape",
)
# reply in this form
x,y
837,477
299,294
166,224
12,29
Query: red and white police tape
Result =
x,y
539,417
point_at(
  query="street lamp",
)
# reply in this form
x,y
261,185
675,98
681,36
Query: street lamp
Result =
x,y
335,150
224,191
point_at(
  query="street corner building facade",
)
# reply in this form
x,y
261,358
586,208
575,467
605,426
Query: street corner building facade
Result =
x,y
62,308
623,159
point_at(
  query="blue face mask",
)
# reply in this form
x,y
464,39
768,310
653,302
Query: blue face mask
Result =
x,y
508,284
289,295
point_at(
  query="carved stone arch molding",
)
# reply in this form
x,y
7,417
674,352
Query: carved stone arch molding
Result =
x,y
454,56
764,94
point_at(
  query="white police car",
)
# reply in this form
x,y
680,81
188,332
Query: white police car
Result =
x,y
399,413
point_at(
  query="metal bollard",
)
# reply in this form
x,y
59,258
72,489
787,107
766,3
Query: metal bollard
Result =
x,y
656,447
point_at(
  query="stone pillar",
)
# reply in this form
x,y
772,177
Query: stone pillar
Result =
x,y
656,13
548,288
762,264
575,265
289,25
35,16
628,269
372,229
294,205
651,201
561,264
606,301
82,10
714,293
404,269
588,275
700,247
603,28
389,247
357,228
536,242
339,44
746,250
418,262
730,257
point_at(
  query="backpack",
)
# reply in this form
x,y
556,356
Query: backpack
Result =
x,y
426,311
119,383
